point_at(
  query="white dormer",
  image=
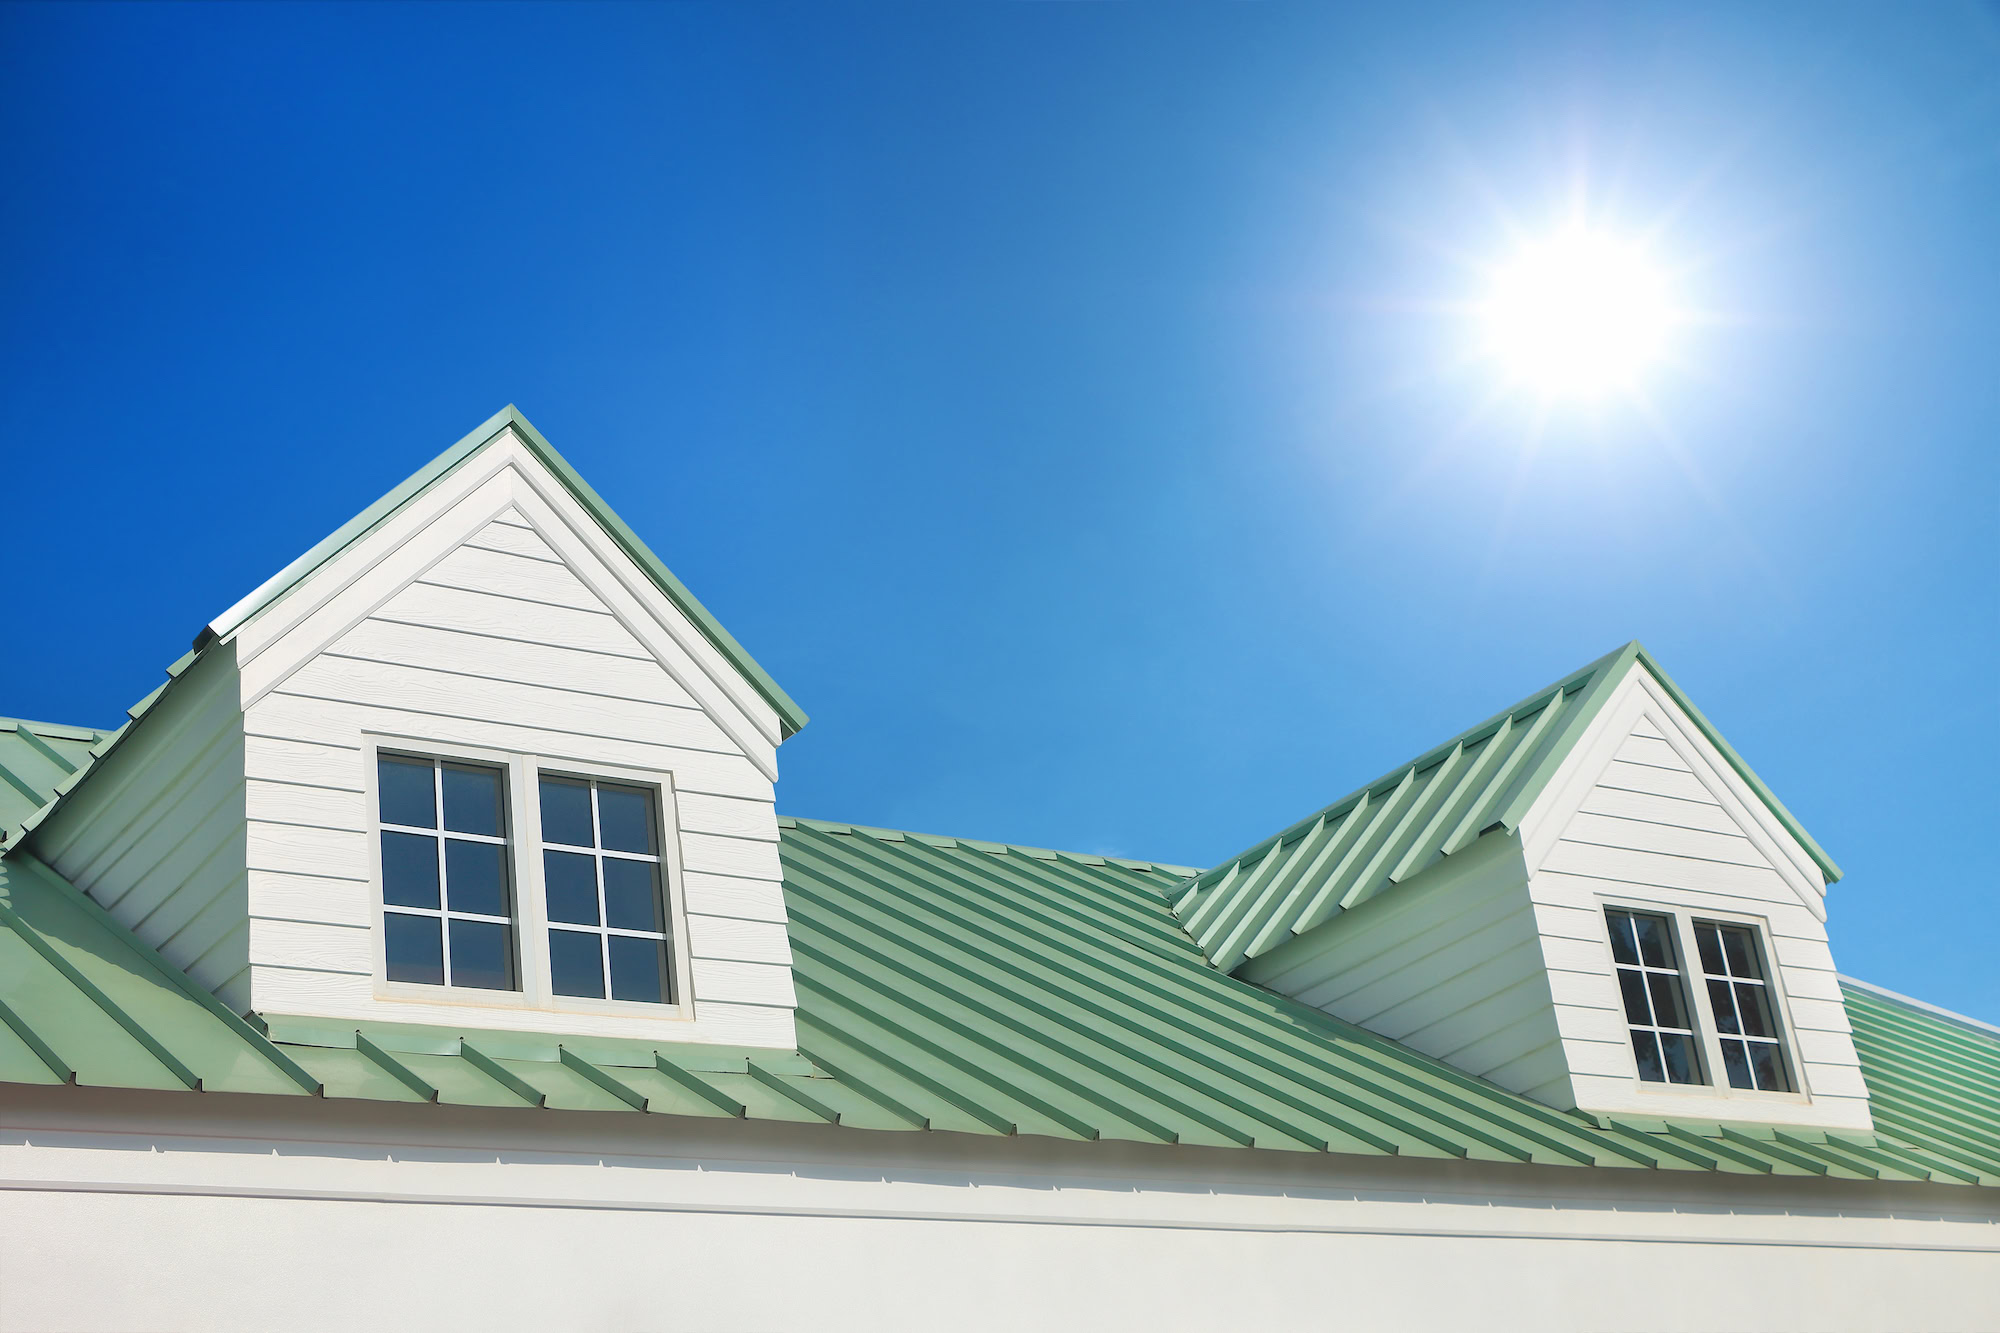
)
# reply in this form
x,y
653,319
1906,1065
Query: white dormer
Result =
x,y
478,759
1589,899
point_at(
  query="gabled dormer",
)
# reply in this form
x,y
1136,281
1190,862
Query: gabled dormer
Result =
x,y
477,758
1589,898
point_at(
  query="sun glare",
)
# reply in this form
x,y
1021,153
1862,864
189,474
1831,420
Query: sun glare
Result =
x,y
1579,315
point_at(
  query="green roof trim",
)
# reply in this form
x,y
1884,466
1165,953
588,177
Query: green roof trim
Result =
x,y
969,987
1485,778
791,716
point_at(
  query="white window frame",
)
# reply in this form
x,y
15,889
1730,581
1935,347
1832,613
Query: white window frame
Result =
x,y
531,925
1694,985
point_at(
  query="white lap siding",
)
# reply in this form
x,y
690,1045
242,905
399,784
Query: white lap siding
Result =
x,y
501,647
1449,963
156,835
1662,822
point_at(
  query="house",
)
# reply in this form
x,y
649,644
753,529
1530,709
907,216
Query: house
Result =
x,y
429,952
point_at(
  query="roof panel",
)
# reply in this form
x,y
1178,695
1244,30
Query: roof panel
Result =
x,y
981,989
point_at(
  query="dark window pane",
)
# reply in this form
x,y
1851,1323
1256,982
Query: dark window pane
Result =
x,y
571,881
475,878
1736,943
1646,1049
631,899
1769,1067
624,818
1755,1004
409,870
482,955
1622,947
472,800
1709,941
1737,1063
413,948
575,966
1682,1066
404,789
1725,1013
1633,984
566,813
1654,948
1667,1011
638,969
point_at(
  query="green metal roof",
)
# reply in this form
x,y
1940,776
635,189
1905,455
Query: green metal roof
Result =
x,y
1406,820
34,758
973,987
791,717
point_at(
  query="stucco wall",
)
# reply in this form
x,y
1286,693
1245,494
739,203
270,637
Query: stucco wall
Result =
x,y
173,1211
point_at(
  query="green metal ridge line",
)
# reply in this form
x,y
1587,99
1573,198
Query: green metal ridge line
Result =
x,y
278,586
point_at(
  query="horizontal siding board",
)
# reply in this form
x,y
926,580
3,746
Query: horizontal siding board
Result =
x,y
279,759
728,816
318,898
502,617
744,857
734,939
1703,816
475,570
434,694
1656,781
335,721
744,983
315,945
731,895
1641,836
1653,752
1622,865
517,661
302,850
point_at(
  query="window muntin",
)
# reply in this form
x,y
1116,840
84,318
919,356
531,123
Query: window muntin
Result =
x,y
604,890
1658,1016
1739,997
447,892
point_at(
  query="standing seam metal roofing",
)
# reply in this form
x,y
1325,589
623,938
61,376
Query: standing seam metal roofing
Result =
x,y
1432,807
971,987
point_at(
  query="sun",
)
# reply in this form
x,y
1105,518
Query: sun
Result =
x,y
1579,315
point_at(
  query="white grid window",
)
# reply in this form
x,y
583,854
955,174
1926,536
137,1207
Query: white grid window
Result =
x,y
1739,996
447,891
1657,1013
602,878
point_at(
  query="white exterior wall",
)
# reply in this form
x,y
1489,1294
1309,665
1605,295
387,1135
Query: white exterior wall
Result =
x,y
155,833
1450,964
166,1210
492,614
1647,811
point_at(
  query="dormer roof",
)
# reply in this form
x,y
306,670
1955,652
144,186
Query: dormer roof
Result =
x,y
1482,780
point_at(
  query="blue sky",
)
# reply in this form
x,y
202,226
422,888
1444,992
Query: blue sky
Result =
x,y
1068,405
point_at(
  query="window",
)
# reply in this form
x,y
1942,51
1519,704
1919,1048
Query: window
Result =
x,y
1730,1023
1655,992
501,877
447,897
601,873
1739,995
